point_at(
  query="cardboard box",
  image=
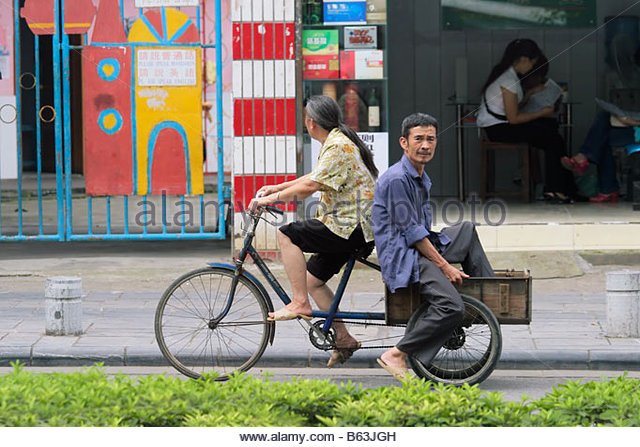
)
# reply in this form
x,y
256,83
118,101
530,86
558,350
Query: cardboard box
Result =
x,y
362,64
320,54
344,12
359,37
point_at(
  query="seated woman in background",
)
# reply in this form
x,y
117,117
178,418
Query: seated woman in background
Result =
x,y
602,136
502,121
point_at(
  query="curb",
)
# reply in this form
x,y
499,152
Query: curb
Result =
x,y
509,360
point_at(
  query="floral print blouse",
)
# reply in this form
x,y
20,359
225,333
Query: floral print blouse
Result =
x,y
347,187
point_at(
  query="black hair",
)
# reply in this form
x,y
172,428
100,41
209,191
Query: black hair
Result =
x,y
326,113
514,51
417,120
537,75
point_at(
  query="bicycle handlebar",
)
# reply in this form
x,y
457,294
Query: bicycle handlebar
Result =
x,y
273,209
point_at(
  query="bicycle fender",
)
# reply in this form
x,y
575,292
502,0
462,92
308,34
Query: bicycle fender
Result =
x,y
255,282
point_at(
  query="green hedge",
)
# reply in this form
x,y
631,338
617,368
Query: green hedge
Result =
x,y
92,398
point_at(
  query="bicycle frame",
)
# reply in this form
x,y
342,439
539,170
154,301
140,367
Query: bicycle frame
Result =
x,y
330,315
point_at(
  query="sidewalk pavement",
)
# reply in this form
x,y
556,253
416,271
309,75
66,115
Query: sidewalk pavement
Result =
x,y
123,282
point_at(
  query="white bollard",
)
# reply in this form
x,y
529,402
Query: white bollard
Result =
x,y
623,303
63,305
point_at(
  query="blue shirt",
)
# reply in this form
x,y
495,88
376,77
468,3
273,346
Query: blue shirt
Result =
x,y
401,217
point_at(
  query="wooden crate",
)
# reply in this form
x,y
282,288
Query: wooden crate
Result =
x,y
508,295
401,304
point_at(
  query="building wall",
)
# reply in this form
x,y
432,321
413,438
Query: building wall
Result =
x,y
264,107
8,157
422,65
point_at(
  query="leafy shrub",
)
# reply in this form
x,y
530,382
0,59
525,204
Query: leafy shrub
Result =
x,y
91,398
421,404
612,403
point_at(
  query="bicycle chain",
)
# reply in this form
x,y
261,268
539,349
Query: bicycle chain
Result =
x,y
332,346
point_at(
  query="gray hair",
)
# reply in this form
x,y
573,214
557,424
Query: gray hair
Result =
x,y
326,112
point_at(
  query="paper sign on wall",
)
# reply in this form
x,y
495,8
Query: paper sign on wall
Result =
x,y
166,67
378,143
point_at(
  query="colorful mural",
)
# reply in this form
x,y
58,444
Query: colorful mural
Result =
x,y
142,98
78,15
106,81
168,104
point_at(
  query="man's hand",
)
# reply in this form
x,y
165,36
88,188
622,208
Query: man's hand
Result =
x,y
453,274
426,249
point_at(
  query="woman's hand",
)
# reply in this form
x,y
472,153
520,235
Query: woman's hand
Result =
x,y
628,121
266,190
260,201
546,111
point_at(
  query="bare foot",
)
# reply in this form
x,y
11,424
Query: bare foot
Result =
x,y
395,358
346,341
290,312
394,362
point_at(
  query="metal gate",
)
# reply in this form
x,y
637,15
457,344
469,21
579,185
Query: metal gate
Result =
x,y
50,199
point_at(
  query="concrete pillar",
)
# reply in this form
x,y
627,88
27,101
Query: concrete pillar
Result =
x,y
623,303
63,305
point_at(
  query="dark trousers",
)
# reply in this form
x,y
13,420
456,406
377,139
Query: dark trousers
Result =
x,y
446,309
597,148
543,134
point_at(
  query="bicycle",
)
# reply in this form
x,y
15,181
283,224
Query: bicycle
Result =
x,y
214,319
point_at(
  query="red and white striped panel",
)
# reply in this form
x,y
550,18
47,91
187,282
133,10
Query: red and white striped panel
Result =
x,y
264,104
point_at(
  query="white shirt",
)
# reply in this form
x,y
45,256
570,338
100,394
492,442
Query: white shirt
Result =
x,y
508,80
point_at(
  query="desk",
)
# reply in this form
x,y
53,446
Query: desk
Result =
x,y
565,119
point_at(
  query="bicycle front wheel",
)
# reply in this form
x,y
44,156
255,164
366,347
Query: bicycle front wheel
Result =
x,y
191,338
472,352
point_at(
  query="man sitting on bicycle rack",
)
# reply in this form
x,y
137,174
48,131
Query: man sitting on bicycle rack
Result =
x,y
345,174
410,252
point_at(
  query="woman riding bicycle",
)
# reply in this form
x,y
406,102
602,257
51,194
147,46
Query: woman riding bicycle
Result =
x,y
345,175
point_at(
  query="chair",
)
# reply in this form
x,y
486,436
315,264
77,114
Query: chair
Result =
x,y
529,168
633,175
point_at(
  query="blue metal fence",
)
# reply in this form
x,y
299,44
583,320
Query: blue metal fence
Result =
x,y
53,206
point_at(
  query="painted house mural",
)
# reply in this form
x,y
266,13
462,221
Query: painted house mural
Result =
x,y
143,91
142,97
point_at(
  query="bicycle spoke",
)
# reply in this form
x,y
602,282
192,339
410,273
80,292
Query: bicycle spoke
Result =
x,y
189,334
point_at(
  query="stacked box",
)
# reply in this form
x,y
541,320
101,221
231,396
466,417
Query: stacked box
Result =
x,y
360,37
320,54
344,12
377,11
361,64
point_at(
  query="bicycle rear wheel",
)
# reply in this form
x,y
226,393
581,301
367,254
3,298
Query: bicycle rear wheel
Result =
x,y
193,343
472,352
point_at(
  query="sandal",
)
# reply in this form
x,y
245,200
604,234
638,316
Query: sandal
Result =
x,y
562,199
603,198
285,314
557,198
341,355
397,372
